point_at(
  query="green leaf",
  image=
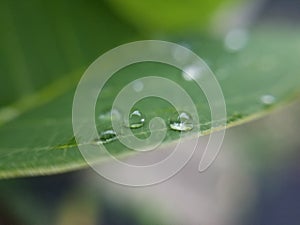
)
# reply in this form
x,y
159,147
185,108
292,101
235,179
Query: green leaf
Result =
x,y
39,139
177,16
36,135
46,43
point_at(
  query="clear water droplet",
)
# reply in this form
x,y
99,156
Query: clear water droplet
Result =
x,y
136,119
181,122
268,99
236,39
106,137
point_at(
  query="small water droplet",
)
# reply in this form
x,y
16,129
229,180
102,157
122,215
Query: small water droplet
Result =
x,y
236,39
191,72
268,99
138,86
106,137
136,119
182,122
113,114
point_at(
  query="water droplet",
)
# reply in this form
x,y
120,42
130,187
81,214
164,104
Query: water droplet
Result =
x,y
106,137
181,122
136,119
191,72
236,39
138,86
113,114
268,99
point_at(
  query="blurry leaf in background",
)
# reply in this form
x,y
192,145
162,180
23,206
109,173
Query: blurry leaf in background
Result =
x,y
169,16
43,41
70,199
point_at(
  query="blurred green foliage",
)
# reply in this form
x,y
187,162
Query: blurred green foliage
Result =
x,y
167,16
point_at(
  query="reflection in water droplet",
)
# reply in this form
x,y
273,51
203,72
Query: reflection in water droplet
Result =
x,y
136,119
191,72
236,39
106,137
181,122
138,86
113,114
268,99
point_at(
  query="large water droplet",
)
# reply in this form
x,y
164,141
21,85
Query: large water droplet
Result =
x,y
181,122
268,99
136,119
106,137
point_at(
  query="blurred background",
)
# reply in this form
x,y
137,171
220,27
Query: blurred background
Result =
x,y
255,179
